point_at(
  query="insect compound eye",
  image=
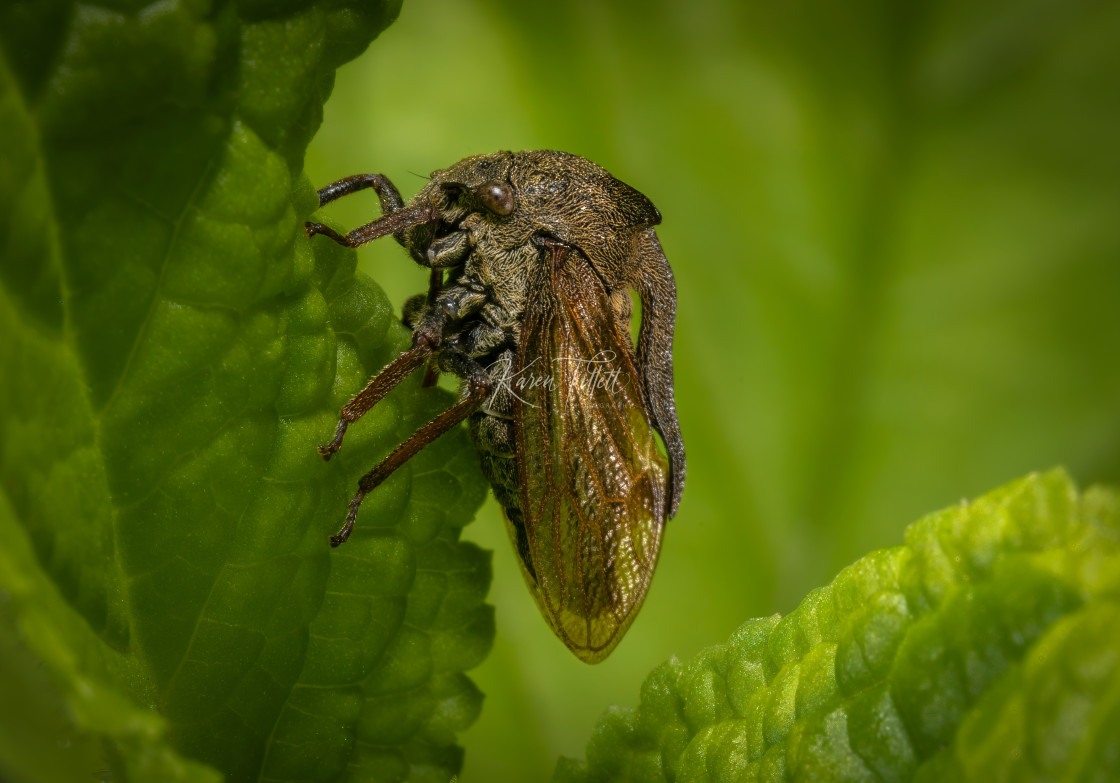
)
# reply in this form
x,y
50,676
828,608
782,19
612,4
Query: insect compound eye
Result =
x,y
497,197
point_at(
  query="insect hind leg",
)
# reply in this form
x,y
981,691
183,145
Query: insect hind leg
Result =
x,y
478,387
378,386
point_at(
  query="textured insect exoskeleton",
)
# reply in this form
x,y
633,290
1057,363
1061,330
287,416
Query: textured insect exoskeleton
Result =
x,y
541,250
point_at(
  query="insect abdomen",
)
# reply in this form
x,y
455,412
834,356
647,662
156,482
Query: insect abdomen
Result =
x,y
492,431
493,437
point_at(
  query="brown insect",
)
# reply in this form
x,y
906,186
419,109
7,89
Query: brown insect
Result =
x,y
541,251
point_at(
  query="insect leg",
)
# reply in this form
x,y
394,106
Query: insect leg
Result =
x,y
427,336
387,194
378,386
479,386
393,223
386,191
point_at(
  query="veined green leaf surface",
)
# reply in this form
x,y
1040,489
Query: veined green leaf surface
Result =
x,y
172,352
987,648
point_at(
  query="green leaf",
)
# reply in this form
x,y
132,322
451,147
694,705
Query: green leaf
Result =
x,y
986,648
174,349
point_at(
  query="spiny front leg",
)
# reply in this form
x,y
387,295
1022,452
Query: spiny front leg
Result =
x,y
387,192
393,223
479,386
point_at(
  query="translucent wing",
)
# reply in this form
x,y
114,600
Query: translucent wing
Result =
x,y
593,484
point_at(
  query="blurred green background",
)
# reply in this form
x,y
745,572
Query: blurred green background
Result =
x,y
896,234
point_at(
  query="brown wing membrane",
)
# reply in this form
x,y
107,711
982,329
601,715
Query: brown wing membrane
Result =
x,y
593,484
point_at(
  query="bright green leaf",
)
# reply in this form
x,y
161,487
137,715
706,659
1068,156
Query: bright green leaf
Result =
x,y
174,349
985,649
